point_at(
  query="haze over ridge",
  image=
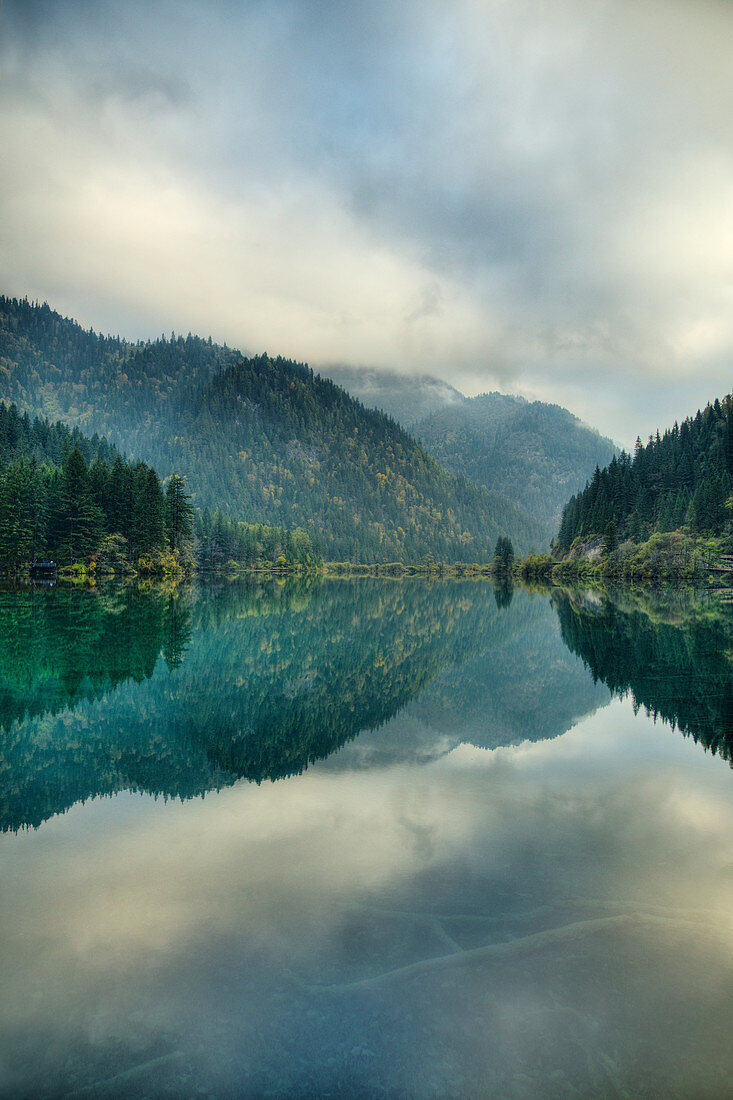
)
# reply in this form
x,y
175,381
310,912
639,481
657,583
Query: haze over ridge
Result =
x,y
516,197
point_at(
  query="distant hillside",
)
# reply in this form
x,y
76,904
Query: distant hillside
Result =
x,y
534,454
406,398
263,439
683,478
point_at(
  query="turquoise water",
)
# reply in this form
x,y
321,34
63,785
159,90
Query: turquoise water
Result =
x,y
365,838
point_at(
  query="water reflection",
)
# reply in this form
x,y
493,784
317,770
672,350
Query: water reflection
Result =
x,y
63,646
445,898
671,651
548,920
182,692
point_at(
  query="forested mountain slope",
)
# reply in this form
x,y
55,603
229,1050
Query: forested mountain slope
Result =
x,y
52,367
534,454
35,438
682,478
263,439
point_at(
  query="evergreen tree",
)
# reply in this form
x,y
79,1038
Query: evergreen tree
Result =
x,y
155,509
16,514
504,555
80,521
610,538
179,514
681,478
55,506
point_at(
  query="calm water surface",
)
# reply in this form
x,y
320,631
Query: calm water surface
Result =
x,y
365,839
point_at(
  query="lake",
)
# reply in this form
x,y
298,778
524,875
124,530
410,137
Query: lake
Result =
x,y
365,839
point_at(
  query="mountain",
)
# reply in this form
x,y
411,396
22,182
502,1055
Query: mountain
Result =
x,y
263,439
406,398
532,453
683,478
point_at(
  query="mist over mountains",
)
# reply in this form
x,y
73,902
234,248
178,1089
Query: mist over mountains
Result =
x,y
408,398
535,454
267,440
263,439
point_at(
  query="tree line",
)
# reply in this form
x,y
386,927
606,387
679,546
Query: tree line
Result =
x,y
219,540
67,499
681,479
73,513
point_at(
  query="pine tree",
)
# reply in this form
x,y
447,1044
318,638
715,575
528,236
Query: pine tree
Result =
x,y
504,555
81,521
179,514
610,538
16,519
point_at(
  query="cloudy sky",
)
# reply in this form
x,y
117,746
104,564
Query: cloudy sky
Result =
x,y
509,194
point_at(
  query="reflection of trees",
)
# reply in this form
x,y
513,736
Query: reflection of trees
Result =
x,y
503,594
259,679
673,655
272,677
522,685
61,646
64,655
353,658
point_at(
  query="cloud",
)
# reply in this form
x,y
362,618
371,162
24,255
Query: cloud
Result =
x,y
500,194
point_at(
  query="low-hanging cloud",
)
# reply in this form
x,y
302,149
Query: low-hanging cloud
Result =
x,y
519,195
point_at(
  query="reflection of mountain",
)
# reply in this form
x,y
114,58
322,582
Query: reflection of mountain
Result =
x,y
673,653
64,657
83,689
522,684
260,681
264,702
523,687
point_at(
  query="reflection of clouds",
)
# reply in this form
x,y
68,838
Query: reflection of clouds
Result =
x,y
610,839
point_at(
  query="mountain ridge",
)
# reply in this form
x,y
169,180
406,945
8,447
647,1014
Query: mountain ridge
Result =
x,y
263,438
534,453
